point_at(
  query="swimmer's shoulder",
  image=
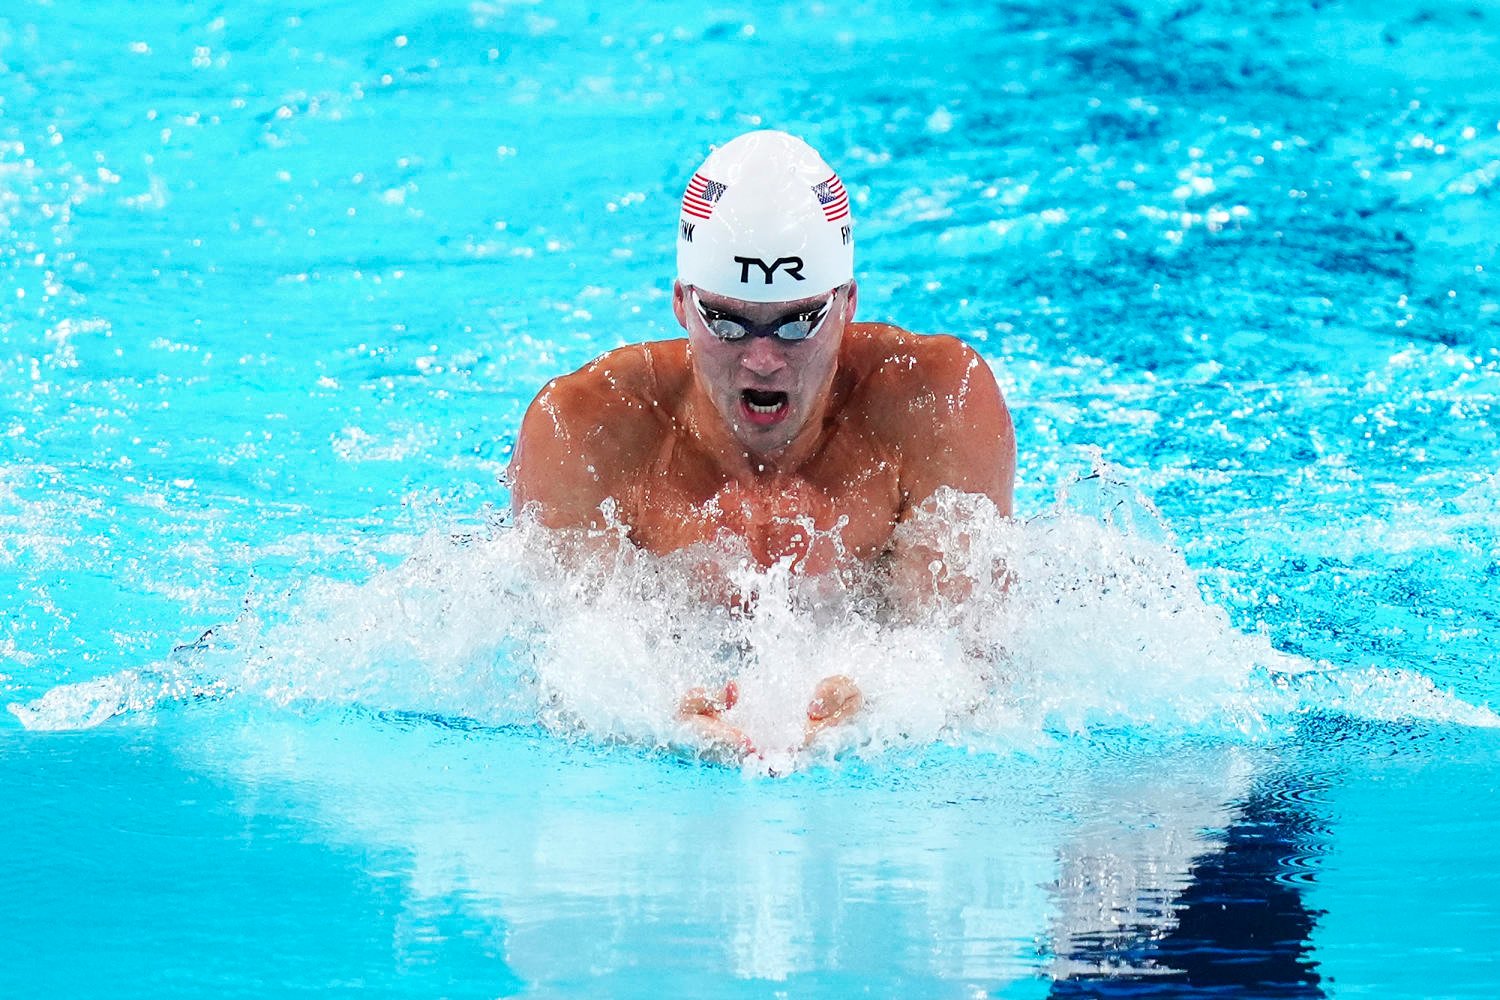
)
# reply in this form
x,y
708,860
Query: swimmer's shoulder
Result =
x,y
896,370
936,404
587,434
622,392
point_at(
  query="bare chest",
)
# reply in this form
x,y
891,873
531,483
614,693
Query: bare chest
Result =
x,y
837,510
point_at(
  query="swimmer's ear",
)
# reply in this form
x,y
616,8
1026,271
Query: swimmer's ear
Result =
x,y
679,304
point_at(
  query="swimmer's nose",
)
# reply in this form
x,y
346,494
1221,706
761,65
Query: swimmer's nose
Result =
x,y
763,357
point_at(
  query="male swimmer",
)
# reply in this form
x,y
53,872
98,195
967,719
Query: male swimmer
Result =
x,y
776,410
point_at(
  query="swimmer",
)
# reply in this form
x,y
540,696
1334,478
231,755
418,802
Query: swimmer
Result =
x,y
776,410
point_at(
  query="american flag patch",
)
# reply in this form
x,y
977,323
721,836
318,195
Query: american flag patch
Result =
x,y
701,195
833,198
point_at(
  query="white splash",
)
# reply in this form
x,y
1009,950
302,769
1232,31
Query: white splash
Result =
x,y
1083,619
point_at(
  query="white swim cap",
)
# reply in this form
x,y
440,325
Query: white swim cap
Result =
x,y
765,220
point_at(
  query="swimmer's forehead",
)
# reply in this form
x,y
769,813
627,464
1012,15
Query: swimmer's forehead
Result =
x,y
724,303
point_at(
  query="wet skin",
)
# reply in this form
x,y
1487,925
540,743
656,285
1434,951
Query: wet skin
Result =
x,y
848,433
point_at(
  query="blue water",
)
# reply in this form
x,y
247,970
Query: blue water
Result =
x,y
275,288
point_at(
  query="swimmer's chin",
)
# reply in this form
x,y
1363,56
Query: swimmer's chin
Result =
x,y
764,440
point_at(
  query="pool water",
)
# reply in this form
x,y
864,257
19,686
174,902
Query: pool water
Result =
x,y
297,705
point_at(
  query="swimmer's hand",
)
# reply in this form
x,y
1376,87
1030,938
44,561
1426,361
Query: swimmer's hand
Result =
x,y
835,701
718,740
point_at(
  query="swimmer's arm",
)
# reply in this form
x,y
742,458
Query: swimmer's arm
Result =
x,y
570,458
959,435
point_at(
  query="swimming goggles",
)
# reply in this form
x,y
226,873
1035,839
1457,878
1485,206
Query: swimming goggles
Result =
x,y
800,326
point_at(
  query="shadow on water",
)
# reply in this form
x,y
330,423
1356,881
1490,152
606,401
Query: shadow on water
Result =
x,y
1242,927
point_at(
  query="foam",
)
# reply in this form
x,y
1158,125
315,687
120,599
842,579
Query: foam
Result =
x,y
1085,620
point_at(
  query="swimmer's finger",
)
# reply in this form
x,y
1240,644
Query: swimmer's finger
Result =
x,y
720,740
835,697
699,701
816,726
836,700
695,702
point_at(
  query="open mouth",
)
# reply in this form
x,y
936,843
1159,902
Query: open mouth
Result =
x,y
764,407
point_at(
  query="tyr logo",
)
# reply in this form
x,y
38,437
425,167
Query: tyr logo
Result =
x,y
793,267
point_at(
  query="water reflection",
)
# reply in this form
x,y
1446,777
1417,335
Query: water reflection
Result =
x,y
1091,870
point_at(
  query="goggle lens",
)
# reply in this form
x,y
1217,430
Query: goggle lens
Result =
x,y
801,327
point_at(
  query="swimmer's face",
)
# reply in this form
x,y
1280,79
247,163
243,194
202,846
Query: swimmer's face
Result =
x,y
766,389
